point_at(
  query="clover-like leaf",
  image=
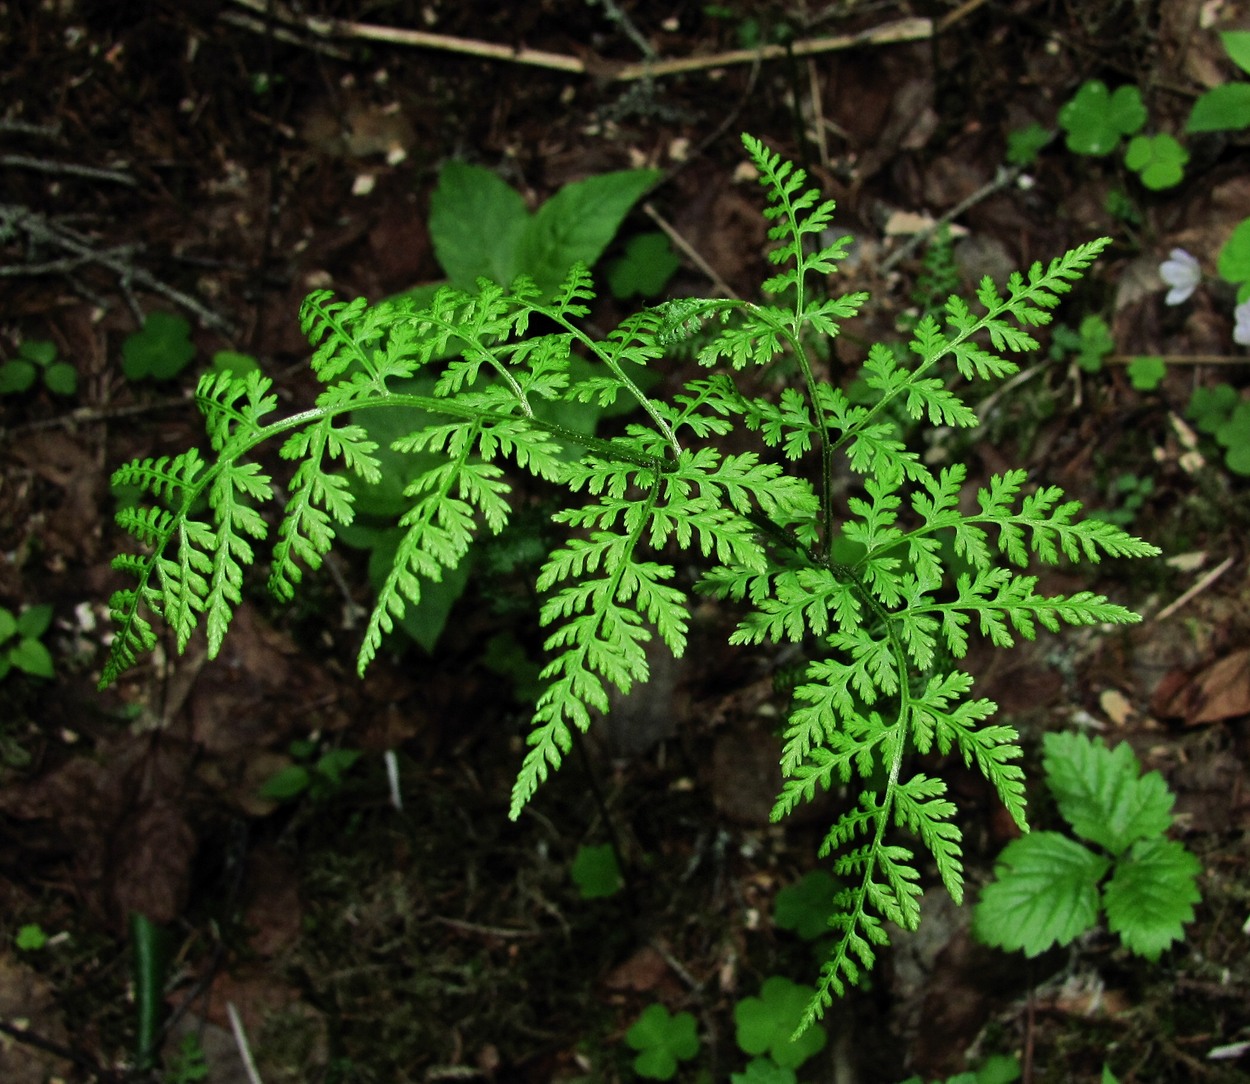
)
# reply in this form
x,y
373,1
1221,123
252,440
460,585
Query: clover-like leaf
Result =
x,y
160,351
806,905
1095,119
764,1071
662,1040
1044,892
1159,159
1025,144
766,1024
1151,895
1147,373
596,872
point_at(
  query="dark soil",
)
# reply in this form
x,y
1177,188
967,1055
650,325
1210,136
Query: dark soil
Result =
x,y
236,161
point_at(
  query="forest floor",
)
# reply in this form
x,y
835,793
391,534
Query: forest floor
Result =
x,y
204,161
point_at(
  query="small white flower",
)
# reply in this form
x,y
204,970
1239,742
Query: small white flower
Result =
x,y
1241,329
1181,272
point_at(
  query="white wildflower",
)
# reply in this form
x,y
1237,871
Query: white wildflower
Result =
x,y
1241,328
1182,273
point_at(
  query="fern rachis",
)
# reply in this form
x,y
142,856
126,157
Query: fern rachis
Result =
x,y
884,628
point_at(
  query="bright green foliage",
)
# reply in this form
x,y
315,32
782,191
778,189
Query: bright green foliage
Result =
x,y
20,646
1227,106
1233,263
160,351
1096,119
662,1040
36,358
481,227
999,1069
767,1024
1220,412
1147,373
1160,160
881,632
764,1071
1025,144
1091,342
30,938
595,872
805,906
1048,888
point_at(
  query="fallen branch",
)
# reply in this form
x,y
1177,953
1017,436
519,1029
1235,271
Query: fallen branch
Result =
x,y
900,30
40,230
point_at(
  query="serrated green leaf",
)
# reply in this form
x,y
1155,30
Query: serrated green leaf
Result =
x,y
1151,895
1102,793
1044,892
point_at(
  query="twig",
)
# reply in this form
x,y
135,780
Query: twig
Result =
x,y
40,229
240,1038
1002,179
1182,359
901,30
237,18
689,251
71,169
90,415
1195,590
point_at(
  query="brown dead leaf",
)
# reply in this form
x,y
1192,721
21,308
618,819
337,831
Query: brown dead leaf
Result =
x,y
1219,691
274,914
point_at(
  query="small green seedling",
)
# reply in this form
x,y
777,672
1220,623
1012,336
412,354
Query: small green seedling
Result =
x,y
1221,413
1048,888
37,358
1147,373
160,351
1090,343
768,1024
596,873
1226,107
1025,144
662,1040
1160,160
318,780
188,1065
1130,493
805,907
30,938
1096,119
1000,1069
20,646
764,1071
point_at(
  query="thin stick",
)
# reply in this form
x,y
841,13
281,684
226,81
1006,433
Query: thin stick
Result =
x,y
688,250
901,30
38,228
1002,179
1181,359
69,169
240,1039
1195,590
